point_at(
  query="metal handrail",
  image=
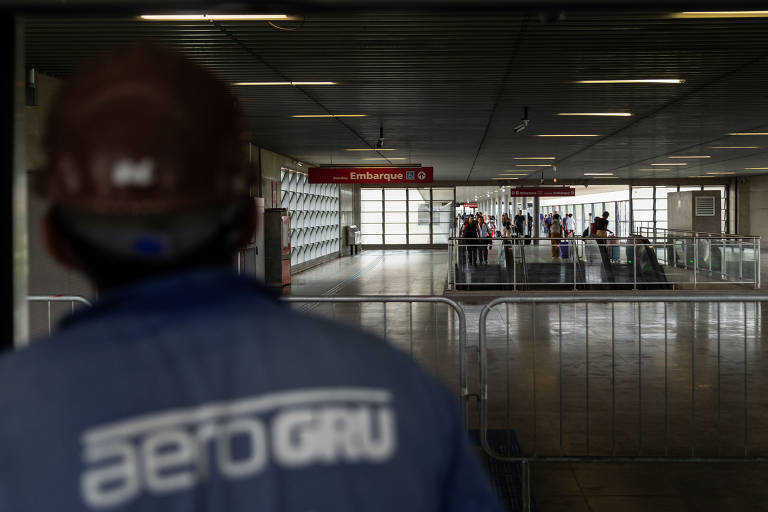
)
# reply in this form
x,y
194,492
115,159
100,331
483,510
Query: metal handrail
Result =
x,y
697,234
49,299
694,237
730,271
463,386
560,299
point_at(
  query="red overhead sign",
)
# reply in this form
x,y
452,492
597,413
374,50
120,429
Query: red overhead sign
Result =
x,y
469,205
542,192
379,175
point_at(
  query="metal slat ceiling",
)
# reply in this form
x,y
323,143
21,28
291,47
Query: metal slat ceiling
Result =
x,y
448,88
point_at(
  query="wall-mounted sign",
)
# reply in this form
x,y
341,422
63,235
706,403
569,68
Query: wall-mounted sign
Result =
x,y
542,192
378,175
469,205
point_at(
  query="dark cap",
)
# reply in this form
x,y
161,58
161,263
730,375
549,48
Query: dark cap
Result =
x,y
143,130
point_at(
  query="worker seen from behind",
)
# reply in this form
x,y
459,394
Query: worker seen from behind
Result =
x,y
187,387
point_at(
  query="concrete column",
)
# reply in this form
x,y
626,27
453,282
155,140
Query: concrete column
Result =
x,y
536,226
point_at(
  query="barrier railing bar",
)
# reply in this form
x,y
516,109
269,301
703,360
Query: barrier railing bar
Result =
x,y
560,368
534,300
634,264
693,394
458,310
385,319
410,325
718,378
639,380
666,383
741,259
436,337
746,396
586,343
613,378
534,378
695,260
525,481
507,362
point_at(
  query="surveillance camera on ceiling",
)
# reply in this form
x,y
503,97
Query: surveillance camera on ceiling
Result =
x,y
523,124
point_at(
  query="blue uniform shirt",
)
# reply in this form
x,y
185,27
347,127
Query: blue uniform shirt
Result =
x,y
200,392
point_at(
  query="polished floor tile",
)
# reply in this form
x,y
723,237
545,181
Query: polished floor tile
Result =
x,y
652,380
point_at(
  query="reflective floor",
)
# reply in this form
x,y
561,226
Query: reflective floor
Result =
x,y
652,380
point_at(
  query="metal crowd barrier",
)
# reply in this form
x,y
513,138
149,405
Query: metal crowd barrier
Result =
x,y
463,392
652,443
50,299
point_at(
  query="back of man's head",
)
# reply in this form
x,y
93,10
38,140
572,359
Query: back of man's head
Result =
x,y
145,168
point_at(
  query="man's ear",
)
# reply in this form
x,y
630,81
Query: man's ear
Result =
x,y
57,245
248,224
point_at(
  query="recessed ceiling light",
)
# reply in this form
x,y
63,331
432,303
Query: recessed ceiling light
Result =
x,y
756,168
371,149
506,178
533,165
702,176
216,17
534,158
606,177
655,170
284,83
330,115
598,174
514,174
729,172
735,147
385,158
635,81
719,14
748,133
568,135
671,163
690,157
605,114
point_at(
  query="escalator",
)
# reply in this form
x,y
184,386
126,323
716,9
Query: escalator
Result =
x,y
641,265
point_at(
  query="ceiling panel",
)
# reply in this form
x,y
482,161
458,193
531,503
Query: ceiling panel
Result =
x,y
449,87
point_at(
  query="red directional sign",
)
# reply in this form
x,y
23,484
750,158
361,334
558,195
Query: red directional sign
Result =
x,y
469,205
542,192
379,175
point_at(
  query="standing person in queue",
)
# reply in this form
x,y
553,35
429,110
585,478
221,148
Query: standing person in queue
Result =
x,y
601,226
519,224
187,387
470,236
564,224
555,233
571,225
484,233
530,224
506,226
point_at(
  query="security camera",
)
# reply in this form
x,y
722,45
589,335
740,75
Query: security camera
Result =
x,y
521,126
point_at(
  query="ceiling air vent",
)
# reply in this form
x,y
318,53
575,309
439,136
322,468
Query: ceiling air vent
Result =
x,y
705,206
